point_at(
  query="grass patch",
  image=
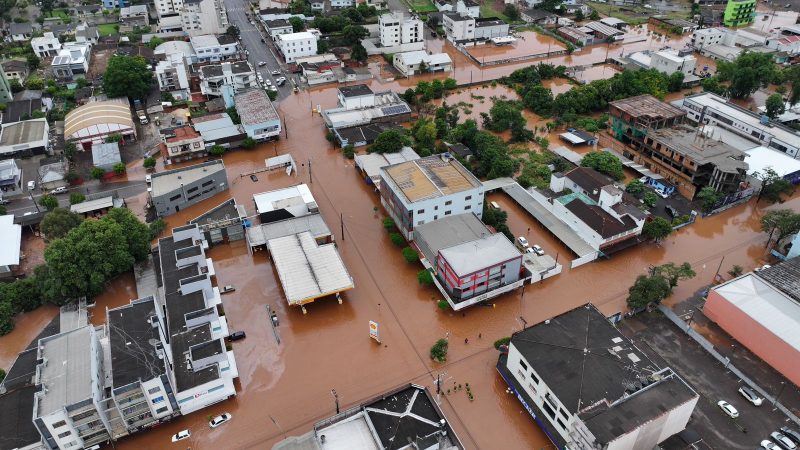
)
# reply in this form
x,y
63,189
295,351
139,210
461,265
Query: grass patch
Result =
x,y
60,13
106,29
422,6
487,10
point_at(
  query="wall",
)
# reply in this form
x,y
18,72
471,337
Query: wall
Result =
x,y
168,204
774,351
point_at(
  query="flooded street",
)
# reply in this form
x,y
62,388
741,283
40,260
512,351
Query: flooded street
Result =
x,y
284,388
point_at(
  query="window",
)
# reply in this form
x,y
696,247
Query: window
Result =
x,y
447,213
158,399
163,409
192,190
534,378
561,423
59,424
468,198
467,208
64,434
207,183
154,390
172,199
449,202
420,211
522,363
532,388
547,409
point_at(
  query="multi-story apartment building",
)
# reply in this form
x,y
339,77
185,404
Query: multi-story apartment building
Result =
x,y
296,45
397,30
210,48
670,61
739,13
174,190
166,8
597,391
238,75
633,117
458,27
204,17
172,74
72,61
711,109
5,89
423,190
259,118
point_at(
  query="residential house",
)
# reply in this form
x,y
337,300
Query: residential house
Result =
x,y
574,7
20,32
295,45
358,105
172,74
174,190
85,34
411,197
182,144
46,46
670,61
203,17
539,17
210,48
401,33
72,61
15,69
417,62
168,8
589,203
788,44
135,15
114,4
278,26
458,27
711,109
259,119
237,75
598,390
10,176
219,129
464,7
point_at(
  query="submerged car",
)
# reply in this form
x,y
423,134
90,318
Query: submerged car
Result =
x,y
181,435
219,420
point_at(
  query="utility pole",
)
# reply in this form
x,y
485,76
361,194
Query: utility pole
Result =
x,y
310,180
719,267
783,385
335,399
34,202
341,220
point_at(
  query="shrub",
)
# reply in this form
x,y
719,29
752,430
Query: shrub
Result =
x,y
388,223
425,278
98,172
149,162
50,202
119,168
439,351
442,304
502,341
156,228
248,143
76,197
410,255
349,152
216,150
397,239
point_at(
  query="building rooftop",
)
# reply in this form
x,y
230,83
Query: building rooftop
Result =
x,y
23,370
16,428
89,206
277,23
647,107
303,35
604,29
418,56
447,232
227,212
308,270
686,141
12,239
105,154
372,163
204,40
312,223
66,374
109,115
165,182
254,107
488,22
597,373
387,105
187,377
767,304
589,179
133,339
24,132
470,257
785,276
431,177
761,158
599,220
297,199
356,90
215,126
183,133
537,14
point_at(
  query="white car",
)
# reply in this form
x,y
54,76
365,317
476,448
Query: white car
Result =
x,y
769,445
728,409
148,179
276,72
181,435
522,242
268,82
31,185
538,250
759,269
59,190
280,80
219,420
262,64
272,88
783,440
751,395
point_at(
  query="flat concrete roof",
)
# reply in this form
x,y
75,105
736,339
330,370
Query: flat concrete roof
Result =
x,y
66,374
171,180
430,177
12,239
23,132
470,257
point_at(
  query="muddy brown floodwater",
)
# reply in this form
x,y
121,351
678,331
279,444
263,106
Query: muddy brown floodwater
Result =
x,y
284,388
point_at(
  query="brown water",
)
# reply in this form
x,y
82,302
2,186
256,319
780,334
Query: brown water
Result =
x,y
528,43
284,388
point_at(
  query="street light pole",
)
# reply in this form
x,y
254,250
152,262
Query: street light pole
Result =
x,y
783,385
335,399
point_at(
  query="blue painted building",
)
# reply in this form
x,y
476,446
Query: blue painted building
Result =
x,y
111,4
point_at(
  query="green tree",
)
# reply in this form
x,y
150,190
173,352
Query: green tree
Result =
x,y
709,197
388,223
3,210
58,222
50,202
674,273
119,168
15,86
248,143
712,84
512,12
33,61
450,84
234,115
425,134
353,34
657,229
605,163
439,351
675,81
149,162
137,234
76,197
349,151
785,221
647,290
635,188
6,317
747,72
127,76
735,271
155,41
410,255
579,15
775,106
650,198
233,31
34,83
424,277
359,53
156,227
594,15
216,150
98,172
390,141
297,24
397,239
772,185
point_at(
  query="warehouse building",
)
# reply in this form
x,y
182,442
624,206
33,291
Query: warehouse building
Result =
x,y
174,190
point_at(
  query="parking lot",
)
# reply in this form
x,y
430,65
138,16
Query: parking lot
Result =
x,y
660,339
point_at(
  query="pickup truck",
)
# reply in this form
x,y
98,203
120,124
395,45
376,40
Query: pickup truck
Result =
x,y
142,117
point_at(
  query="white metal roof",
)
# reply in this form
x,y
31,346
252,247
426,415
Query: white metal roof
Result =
x,y
760,158
285,198
12,239
92,205
766,305
307,270
572,138
479,254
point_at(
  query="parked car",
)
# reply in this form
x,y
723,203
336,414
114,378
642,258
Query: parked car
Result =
x,y
276,72
671,211
494,205
280,81
219,420
522,242
769,445
59,190
751,395
181,435
791,433
31,185
272,88
538,250
728,409
782,441
262,64
237,336
148,179
764,267
4,201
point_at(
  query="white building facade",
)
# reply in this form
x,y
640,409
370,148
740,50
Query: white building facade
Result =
x,y
396,30
669,62
46,46
296,45
204,17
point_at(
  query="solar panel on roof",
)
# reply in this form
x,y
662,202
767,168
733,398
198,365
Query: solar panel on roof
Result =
x,y
394,110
